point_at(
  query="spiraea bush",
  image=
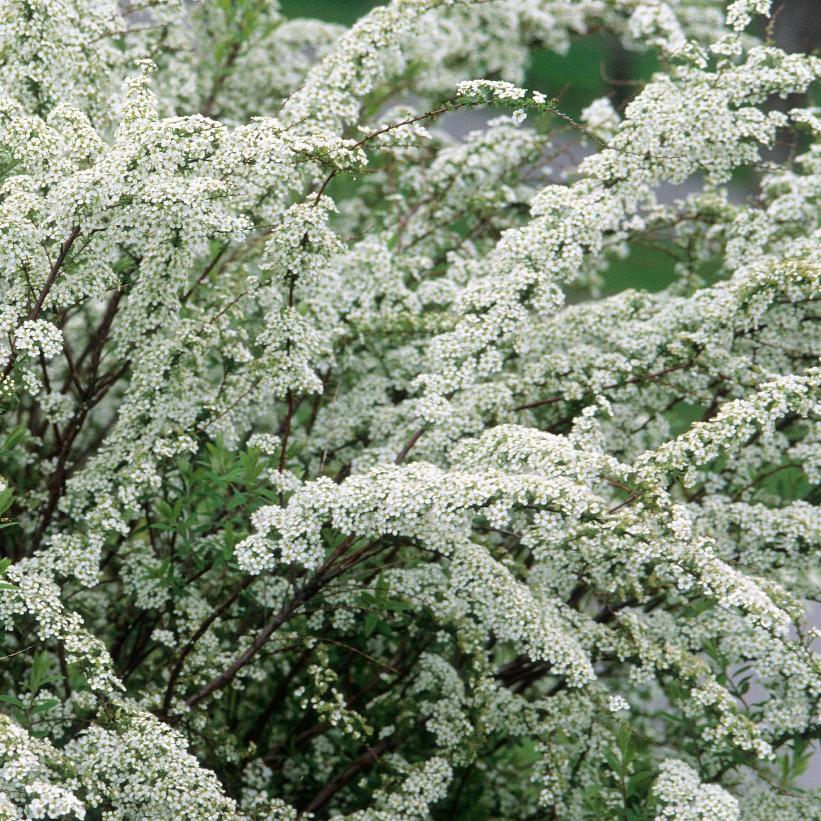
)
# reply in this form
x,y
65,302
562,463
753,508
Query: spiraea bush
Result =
x,y
337,482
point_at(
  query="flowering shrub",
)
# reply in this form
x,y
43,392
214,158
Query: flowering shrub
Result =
x,y
333,485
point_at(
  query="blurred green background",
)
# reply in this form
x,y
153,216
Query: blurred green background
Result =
x,y
334,11
578,76
597,65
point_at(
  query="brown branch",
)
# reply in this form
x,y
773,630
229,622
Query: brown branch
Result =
x,y
286,431
326,573
257,732
58,476
47,286
55,270
539,403
244,658
411,443
632,381
363,762
96,343
198,634
409,121
222,74
206,271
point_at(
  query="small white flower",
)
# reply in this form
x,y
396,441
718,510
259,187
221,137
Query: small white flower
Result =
x,y
617,704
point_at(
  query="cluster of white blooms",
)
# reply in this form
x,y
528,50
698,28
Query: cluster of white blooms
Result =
x,y
659,140
37,336
333,89
656,22
142,769
617,704
339,476
740,12
682,796
33,777
496,90
601,119
420,787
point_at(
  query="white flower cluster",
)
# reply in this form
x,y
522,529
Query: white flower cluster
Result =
x,y
37,336
740,12
32,777
617,704
682,796
144,771
420,787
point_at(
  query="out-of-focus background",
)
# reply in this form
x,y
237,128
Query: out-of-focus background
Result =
x,y
798,23
797,27
597,65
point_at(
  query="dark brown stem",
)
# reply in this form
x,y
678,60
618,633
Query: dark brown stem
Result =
x,y
363,762
58,477
198,634
206,271
55,270
61,657
632,381
227,675
326,573
409,121
411,443
47,286
286,431
257,733
219,80
95,345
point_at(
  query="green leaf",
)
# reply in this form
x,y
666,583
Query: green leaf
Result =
x,y
164,510
5,499
39,672
237,500
371,622
14,437
637,781
613,760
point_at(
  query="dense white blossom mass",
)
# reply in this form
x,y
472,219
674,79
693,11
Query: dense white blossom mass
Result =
x,y
338,480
